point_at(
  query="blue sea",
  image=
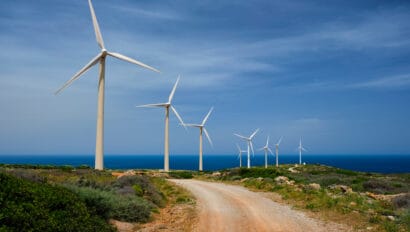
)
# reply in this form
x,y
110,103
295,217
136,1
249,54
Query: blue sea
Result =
x,y
364,163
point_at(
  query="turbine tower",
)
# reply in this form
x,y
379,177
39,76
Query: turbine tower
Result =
x,y
250,145
266,149
167,106
277,151
100,58
201,129
301,148
240,155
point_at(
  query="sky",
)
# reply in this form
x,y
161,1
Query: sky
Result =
x,y
336,73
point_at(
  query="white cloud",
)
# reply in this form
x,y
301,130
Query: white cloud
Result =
x,y
390,82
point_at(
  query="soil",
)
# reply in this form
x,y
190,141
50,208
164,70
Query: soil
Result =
x,y
223,207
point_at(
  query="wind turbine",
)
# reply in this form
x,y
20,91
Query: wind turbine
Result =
x,y
100,58
240,155
250,145
301,148
266,149
167,106
277,151
201,129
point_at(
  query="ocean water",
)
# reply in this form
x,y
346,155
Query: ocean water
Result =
x,y
364,163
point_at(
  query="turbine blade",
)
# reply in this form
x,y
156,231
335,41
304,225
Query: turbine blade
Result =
x,y
239,149
271,152
176,114
280,140
267,141
96,27
154,105
253,152
207,136
192,125
254,133
126,58
79,73
304,149
173,91
261,149
207,116
240,136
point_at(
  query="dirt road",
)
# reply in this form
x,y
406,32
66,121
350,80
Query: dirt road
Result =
x,y
225,207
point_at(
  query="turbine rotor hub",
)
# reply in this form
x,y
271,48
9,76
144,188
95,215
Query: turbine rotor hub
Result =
x,y
104,52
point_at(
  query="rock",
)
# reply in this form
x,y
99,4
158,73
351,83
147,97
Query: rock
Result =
x,y
391,218
373,196
281,180
313,186
352,203
259,179
292,170
216,174
244,179
369,228
343,188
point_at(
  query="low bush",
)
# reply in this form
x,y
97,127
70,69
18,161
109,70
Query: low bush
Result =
x,y
402,201
110,205
378,186
29,206
181,175
256,172
148,190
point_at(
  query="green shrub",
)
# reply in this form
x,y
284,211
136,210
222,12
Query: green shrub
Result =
x,y
181,174
150,192
257,172
377,186
138,190
28,206
111,205
83,166
66,168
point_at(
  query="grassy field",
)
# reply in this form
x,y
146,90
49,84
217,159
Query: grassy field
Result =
x,y
367,201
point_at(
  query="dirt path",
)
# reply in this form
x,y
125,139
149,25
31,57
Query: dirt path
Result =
x,y
225,207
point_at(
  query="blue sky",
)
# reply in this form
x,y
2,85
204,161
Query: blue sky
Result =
x,y
336,73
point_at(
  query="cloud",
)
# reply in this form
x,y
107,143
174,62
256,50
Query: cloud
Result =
x,y
390,82
156,14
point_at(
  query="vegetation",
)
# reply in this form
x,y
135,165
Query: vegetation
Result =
x,y
29,206
83,195
381,202
181,174
172,193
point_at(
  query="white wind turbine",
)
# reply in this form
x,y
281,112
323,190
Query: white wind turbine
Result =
x,y
250,145
240,155
277,151
167,106
301,148
100,58
266,149
201,129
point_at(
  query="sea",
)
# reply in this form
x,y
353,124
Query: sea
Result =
x,y
364,163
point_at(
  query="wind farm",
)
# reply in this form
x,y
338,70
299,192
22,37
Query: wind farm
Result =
x,y
254,79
